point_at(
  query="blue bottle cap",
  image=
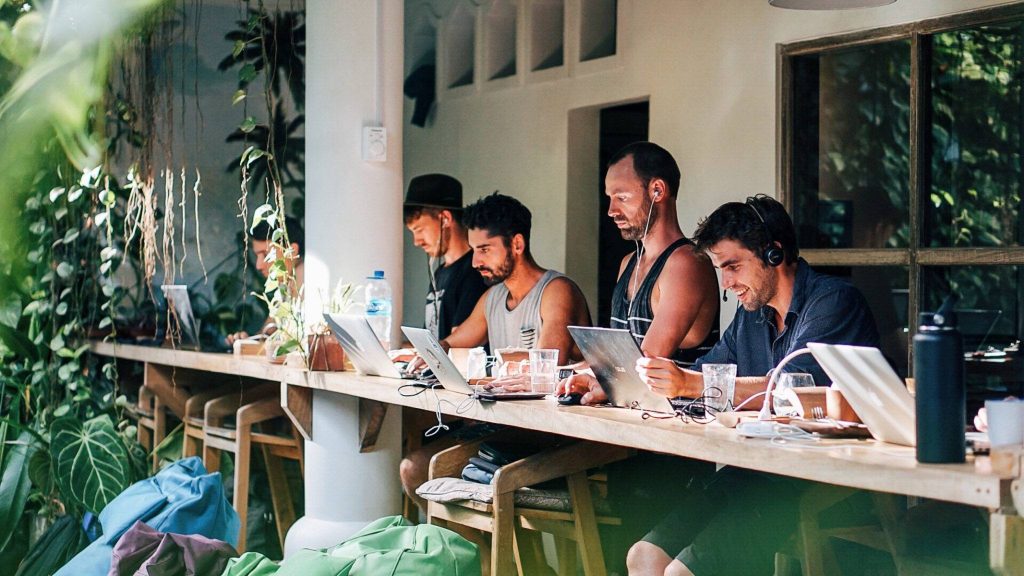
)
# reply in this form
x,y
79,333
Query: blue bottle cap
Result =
x,y
377,275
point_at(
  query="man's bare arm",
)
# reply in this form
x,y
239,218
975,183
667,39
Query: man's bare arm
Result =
x,y
561,305
473,330
682,315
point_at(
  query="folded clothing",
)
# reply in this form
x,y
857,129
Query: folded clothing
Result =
x,y
472,473
484,464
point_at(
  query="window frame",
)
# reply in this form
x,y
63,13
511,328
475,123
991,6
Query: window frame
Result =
x,y
914,257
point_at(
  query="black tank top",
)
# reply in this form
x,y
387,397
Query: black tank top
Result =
x,y
636,316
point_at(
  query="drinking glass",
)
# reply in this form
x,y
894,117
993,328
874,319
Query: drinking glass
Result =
x,y
719,385
543,370
781,399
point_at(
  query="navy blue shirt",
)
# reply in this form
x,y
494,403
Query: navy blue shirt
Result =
x,y
824,309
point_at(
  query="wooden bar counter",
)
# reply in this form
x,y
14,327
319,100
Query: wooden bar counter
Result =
x,y
863,464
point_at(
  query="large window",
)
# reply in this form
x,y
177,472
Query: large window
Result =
x,y
901,164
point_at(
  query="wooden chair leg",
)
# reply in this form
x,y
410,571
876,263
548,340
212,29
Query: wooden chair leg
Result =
x,y
566,551
587,537
211,458
529,550
502,545
280,494
144,435
159,428
191,443
243,448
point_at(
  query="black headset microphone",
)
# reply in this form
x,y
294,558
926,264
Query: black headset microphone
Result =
x,y
772,255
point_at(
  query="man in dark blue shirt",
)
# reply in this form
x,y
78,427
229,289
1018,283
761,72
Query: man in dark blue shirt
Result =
x,y
785,305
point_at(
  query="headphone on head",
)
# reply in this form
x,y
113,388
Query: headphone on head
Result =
x,y
772,255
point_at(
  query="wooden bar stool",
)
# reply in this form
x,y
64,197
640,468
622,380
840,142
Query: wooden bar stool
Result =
x,y
195,407
515,530
218,437
150,418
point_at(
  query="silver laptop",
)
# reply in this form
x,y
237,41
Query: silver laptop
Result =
x,y
356,336
183,329
612,355
872,388
447,374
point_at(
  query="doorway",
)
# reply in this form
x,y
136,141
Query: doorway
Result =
x,y
619,126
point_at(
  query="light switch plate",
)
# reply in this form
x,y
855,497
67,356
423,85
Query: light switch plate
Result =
x,y
375,144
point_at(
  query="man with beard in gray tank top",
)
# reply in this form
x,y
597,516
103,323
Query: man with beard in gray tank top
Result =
x,y
526,306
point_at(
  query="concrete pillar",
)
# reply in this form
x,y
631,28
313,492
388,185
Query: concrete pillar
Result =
x,y
353,226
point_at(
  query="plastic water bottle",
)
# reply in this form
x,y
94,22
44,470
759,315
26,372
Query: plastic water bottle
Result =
x,y
941,394
378,307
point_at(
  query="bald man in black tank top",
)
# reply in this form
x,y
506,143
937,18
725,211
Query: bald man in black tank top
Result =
x,y
668,297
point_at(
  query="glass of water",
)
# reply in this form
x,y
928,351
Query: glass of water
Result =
x,y
543,370
781,397
719,385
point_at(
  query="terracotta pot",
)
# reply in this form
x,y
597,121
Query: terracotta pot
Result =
x,y
325,354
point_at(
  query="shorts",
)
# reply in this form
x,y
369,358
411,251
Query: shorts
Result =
x,y
733,525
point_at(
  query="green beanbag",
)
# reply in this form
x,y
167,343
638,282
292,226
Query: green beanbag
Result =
x,y
387,547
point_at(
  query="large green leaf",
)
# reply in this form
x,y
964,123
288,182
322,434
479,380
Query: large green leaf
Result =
x,y
14,487
55,548
10,310
89,460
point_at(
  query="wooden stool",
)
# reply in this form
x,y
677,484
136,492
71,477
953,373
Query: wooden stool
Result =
x,y
195,408
239,440
515,530
150,417
887,535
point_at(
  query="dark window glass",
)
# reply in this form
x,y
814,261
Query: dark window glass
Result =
x,y
851,147
886,290
974,196
989,312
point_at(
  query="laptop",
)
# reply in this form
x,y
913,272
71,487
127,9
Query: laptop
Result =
x,y
182,327
361,345
612,355
872,388
448,375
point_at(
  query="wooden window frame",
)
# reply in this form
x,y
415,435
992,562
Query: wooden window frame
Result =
x,y
914,257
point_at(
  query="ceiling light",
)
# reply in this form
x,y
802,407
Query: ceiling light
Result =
x,y
828,4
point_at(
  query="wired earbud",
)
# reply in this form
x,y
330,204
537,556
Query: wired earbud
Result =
x,y
724,299
772,254
640,247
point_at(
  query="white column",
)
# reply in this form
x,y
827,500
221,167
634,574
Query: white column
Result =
x,y
353,226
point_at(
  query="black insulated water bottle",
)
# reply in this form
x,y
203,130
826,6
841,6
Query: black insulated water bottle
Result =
x,y
939,380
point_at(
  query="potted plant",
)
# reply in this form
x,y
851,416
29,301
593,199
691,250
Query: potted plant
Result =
x,y
325,353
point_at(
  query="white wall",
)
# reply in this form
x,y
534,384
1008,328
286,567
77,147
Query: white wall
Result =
x,y
708,67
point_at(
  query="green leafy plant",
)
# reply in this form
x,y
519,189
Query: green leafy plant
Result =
x,y
90,461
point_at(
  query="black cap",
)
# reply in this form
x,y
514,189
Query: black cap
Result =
x,y
435,191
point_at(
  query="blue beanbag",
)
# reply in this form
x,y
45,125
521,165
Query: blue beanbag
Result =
x,y
181,498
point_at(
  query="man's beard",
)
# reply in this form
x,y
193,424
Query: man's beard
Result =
x,y
501,273
638,229
762,295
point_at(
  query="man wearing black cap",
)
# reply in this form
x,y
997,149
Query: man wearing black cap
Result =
x,y
432,211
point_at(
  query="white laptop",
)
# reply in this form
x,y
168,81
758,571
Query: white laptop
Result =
x,y
448,375
612,355
356,336
872,388
183,329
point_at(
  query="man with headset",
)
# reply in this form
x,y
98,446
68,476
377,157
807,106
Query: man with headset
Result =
x,y
433,212
734,523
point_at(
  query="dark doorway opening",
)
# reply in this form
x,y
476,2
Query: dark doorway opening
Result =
x,y
620,125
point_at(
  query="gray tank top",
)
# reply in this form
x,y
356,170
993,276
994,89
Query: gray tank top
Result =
x,y
519,328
